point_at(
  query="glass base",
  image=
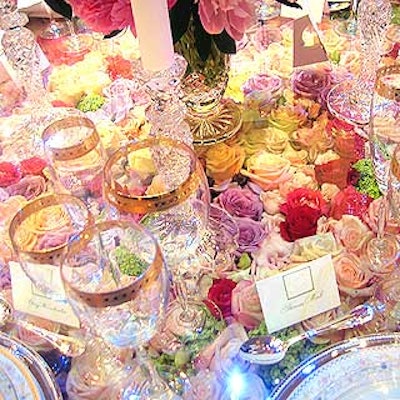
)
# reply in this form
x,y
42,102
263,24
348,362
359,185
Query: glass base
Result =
x,y
187,322
216,126
347,102
382,254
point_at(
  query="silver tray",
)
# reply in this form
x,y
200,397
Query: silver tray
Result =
x,y
366,368
24,375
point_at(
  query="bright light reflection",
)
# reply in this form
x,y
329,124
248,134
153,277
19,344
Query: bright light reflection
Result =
x,y
236,384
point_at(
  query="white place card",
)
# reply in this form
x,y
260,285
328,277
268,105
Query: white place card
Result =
x,y
315,8
29,299
299,293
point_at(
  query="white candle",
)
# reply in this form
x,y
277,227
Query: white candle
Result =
x,y
154,33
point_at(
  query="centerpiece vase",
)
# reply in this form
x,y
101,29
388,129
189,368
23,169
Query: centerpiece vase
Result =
x,y
211,118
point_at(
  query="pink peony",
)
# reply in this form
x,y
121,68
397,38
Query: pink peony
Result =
x,y
235,16
106,15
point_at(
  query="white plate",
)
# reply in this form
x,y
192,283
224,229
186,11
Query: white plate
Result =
x,y
365,368
24,375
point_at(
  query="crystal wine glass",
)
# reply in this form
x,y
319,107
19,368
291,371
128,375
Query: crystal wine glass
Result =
x,y
162,183
77,157
351,100
383,250
40,233
116,281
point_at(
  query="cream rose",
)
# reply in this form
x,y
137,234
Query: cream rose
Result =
x,y
299,179
267,170
312,247
272,200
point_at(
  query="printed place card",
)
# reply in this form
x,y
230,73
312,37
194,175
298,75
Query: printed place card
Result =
x,y
299,293
29,299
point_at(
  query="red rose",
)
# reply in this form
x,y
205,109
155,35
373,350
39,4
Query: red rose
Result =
x,y
300,222
337,126
33,166
9,174
345,146
349,201
335,171
304,196
220,294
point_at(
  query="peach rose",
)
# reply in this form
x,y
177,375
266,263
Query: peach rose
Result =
x,y
351,278
371,218
267,170
300,179
9,208
246,306
351,232
329,191
223,161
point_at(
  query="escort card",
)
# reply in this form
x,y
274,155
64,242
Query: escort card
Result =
x,y
29,299
299,293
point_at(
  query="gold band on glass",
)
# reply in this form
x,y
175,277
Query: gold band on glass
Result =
x,y
77,150
120,295
383,89
45,256
150,203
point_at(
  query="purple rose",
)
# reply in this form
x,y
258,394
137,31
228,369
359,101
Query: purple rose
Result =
x,y
251,235
311,83
30,187
241,203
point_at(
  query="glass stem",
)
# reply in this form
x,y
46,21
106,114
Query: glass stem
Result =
x,y
382,214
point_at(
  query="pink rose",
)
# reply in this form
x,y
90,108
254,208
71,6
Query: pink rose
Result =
x,y
371,218
311,83
235,16
222,351
246,306
206,385
30,186
241,203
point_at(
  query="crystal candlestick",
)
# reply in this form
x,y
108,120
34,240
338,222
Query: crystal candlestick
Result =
x,y
167,111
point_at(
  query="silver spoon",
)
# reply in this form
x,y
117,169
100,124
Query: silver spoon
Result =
x,y
67,345
270,350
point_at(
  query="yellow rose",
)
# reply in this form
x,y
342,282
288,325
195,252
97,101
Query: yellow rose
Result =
x,y
223,161
286,119
296,157
267,170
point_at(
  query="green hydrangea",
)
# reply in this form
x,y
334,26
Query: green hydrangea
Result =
x,y
367,183
90,102
129,263
395,14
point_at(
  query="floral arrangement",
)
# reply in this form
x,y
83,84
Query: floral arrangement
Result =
x,y
214,20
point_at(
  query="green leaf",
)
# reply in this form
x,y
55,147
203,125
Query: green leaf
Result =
x,y
60,7
225,43
179,16
202,38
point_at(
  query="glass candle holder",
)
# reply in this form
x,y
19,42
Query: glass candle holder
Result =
x,y
77,157
40,233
